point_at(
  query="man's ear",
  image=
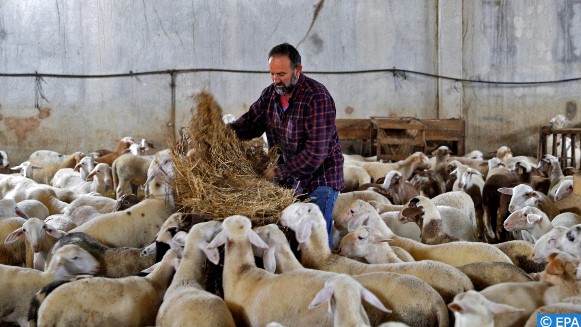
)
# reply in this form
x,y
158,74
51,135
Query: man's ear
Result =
x,y
299,70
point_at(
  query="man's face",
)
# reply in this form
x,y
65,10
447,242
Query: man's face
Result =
x,y
282,74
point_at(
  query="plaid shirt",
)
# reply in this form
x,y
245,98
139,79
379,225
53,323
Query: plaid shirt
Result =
x,y
305,134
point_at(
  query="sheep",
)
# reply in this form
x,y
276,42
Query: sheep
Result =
x,y
61,222
43,173
459,200
49,157
398,190
307,222
487,273
345,199
570,241
428,183
537,223
439,161
561,273
396,291
424,213
19,284
528,296
103,204
376,170
138,225
354,176
122,144
368,243
185,299
455,253
114,262
547,243
127,301
21,188
349,312
249,290
129,172
473,309
17,253
472,184
521,253
84,213
68,177
39,235
524,195
24,208
565,188
101,179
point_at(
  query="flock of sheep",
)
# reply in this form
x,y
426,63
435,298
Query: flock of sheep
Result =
x,y
426,241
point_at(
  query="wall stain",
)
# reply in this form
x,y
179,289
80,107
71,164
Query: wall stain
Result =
x,y
317,10
23,126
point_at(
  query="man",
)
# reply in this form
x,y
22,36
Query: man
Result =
x,y
298,115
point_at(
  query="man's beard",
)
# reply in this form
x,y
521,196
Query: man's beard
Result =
x,y
282,90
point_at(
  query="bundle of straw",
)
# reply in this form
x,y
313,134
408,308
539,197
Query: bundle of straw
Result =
x,y
221,175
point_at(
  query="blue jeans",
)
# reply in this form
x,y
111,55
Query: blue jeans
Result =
x,y
325,197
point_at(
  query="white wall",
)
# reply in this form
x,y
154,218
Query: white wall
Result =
x,y
517,40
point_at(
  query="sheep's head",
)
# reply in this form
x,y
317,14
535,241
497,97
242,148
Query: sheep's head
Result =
x,y
355,243
236,228
571,240
353,215
71,259
392,179
471,306
412,212
523,218
301,217
561,267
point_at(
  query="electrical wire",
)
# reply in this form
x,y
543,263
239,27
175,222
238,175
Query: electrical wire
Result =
x,y
398,73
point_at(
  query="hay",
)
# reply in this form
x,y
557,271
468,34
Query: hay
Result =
x,y
220,175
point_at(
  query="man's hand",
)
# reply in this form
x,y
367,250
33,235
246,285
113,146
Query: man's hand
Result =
x,y
271,173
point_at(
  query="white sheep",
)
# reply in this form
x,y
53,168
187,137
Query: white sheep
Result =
x,y
103,204
306,220
345,199
524,195
43,172
570,241
186,300
473,309
20,284
100,301
377,170
368,243
354,176
114,262
460,200
537,223
422,211
343,295
454,253
129,171
396,291
21,188
24,208
17,253
256,297
137,225
547,243
68,177
40,236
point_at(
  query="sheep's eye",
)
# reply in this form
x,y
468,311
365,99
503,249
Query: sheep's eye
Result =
x,y
360,237
570,237
75,258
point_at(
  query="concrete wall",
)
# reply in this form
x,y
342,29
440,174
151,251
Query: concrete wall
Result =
x,y
500,40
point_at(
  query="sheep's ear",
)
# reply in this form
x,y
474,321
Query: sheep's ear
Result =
x,y
304,231
456,307
268,260
180,238
14,236
533,218
54,232
555,267
498,308
211,253
373,300
219,239
356,222
256,240
324,295
505,190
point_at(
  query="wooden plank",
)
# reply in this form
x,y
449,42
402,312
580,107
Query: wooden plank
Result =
x,y
354,129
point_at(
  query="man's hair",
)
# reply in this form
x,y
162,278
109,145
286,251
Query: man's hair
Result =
x,y
288,50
